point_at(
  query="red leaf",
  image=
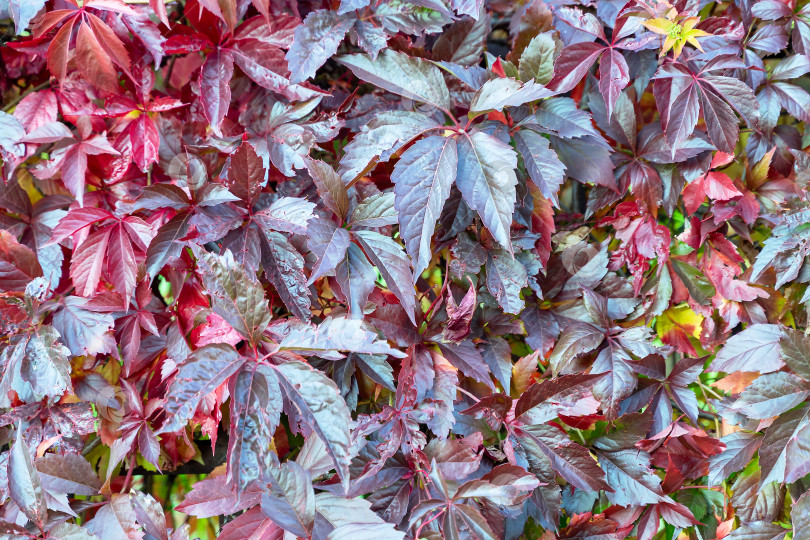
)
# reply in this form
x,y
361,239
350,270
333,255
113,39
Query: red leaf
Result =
x,y
18,264
122,267
573,64
110,43
58,51
93,61
613,77
37,109
88,262
215,90
159,7
145,141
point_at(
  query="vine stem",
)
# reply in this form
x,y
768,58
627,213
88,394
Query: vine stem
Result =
x,y
13,103
441,291
128,479
703,389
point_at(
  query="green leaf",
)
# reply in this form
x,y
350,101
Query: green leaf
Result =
x,y
537,60
699,287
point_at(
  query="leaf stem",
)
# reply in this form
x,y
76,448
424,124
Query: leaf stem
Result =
x,y
419,530
468,394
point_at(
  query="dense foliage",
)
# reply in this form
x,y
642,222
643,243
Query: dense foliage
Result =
x,y
357,269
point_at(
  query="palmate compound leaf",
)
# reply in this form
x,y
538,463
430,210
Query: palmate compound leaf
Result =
x,y
566,167
678,92
505,486
236,297
486,178
422,179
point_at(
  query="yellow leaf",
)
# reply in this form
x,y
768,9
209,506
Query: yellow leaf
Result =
x,y
669,42
681,317
690,23
26,181
678,48
659,26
